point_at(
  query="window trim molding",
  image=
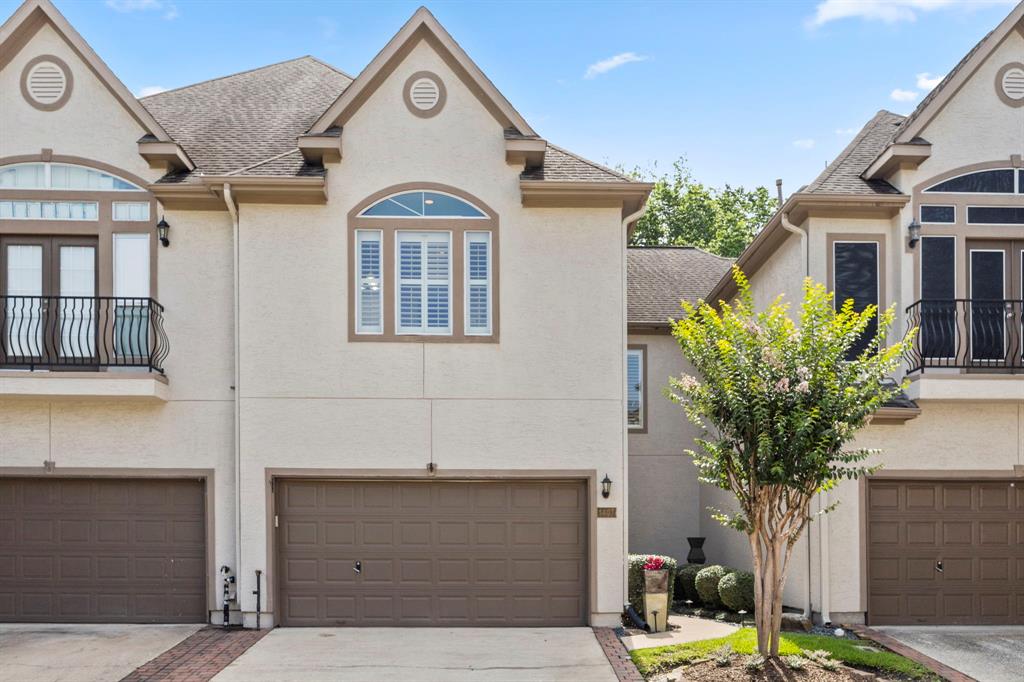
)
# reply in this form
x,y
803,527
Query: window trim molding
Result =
x,y
642,427
425,283
458,227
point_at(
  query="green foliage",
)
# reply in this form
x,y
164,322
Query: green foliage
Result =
x,y
684,211
754,663
707,583
736,591
686,582
744,641
636,579
723,656
778,398
794,662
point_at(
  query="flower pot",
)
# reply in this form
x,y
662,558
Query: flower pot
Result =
x,y
656,599
696,554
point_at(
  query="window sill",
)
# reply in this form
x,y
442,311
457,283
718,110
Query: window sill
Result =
x,y
123,385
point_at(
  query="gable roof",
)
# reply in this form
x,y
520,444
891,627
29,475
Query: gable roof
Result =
x,y
31,16
659,277
248,122
421,26
844,174
942,93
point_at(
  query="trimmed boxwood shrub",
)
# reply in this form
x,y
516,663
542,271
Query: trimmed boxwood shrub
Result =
x,y
736,591
707,584
636,579
686,585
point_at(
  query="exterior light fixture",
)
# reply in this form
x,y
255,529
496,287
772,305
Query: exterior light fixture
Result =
x,y
162,228
914,230
606,487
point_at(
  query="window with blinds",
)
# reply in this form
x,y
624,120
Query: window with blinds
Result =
x,y
370,294
424,282
635,388
478,283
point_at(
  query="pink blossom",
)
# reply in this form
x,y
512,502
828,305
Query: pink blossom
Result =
x,y
803,387
783,385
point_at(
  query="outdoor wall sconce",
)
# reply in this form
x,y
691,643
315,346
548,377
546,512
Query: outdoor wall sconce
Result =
x,y
914,230
606,487
162,228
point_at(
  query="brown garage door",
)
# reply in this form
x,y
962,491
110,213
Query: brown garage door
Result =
x,y
432,553
102,551
945,552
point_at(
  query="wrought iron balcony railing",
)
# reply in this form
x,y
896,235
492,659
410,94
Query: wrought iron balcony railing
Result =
x,y
81,333
966,333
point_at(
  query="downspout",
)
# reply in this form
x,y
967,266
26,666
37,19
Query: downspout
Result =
x,y
632,217
233,210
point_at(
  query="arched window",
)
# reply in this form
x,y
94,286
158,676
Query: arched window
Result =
x,y
994,181
64,176
424,267
422,205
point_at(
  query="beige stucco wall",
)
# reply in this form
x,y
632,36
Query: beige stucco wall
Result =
x,y
782,274
547,397
664,500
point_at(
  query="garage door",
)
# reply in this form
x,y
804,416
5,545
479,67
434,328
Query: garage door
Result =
x,y
432,553
945,552
102,551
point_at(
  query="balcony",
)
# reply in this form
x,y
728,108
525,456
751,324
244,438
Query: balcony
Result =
x,y
77,346
979,340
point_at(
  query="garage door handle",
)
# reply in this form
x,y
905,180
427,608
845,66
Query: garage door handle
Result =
x,y
358,567
938,566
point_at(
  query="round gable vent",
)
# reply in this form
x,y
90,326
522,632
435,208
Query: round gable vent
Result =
x,y
46,82
424,94
1010,84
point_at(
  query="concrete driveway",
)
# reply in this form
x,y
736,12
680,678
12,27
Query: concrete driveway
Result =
x,y
985,652
82,653
423,655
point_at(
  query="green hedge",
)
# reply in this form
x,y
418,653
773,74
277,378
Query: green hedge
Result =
x,y
707,584
736,591
686,582
636,579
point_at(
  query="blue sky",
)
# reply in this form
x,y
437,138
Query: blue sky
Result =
x,y
747,91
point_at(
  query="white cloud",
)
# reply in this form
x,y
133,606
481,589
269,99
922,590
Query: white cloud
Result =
x,y
169,9
150,90
846,132
899,95
805,143
606,65
926,81
328,27
888,11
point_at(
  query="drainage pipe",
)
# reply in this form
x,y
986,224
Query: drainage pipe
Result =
x,y
804,250
236,297
258,595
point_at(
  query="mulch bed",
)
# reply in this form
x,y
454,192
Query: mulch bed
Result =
x,y
199,657
774,671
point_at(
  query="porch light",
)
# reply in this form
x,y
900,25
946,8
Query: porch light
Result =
x,y
606,487
914,230
162,228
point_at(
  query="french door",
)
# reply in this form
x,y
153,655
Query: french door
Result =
x,y
48,288
995,289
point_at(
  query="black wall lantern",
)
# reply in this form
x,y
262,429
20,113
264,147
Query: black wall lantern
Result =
x,y
606,487
162,228
914,230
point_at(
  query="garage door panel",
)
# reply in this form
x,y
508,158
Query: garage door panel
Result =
x,y
78,557
960,563
437,553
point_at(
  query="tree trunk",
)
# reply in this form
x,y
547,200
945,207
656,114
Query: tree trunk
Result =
x,y
771,554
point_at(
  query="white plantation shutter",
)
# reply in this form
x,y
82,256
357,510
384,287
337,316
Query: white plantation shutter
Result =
x,y
478,283
369,301
424,282
634,388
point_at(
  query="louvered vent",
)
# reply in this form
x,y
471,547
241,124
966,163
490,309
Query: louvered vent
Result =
x,y
1013,83
46,83
424,94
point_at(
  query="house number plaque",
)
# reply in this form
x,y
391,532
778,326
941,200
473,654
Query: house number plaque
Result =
x,y
606,512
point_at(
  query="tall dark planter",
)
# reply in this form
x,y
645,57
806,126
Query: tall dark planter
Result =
x,y
696,554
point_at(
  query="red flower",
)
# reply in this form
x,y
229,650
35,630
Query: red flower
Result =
x,y
654,563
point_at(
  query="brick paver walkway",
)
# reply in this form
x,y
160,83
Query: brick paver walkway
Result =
x,y
902,649
199,657
617,655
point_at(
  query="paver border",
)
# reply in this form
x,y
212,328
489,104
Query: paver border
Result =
x,y
889,642
615,652
198,657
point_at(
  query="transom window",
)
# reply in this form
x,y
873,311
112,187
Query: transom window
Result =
x,y
424,268
995,181
63,176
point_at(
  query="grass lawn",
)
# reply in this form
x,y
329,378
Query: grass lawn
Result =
x,y
744,641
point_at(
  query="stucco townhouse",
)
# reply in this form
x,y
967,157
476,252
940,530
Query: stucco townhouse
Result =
x,y
357,342
924,212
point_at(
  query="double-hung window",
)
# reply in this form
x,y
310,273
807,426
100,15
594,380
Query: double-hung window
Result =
x,y
424,268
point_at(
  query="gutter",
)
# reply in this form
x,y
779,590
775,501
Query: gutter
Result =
x,y
236,294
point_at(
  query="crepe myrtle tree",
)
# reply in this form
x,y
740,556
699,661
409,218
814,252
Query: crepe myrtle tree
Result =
x,y
779,402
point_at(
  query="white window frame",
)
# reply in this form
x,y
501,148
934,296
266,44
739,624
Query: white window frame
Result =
x,y
115,204
425,282
468,238
642,423
920,213
48,178
95,206
370,235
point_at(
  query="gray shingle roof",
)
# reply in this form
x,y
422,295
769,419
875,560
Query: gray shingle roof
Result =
x,y
234,122
562,165
658,278
843,175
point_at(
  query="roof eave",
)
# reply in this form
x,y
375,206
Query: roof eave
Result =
x,y
165,155
525,152
208,193
898,156
320,149
576,194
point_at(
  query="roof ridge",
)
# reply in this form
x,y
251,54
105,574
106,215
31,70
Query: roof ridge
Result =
x,y
330,66
592,163
239,73
831,168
